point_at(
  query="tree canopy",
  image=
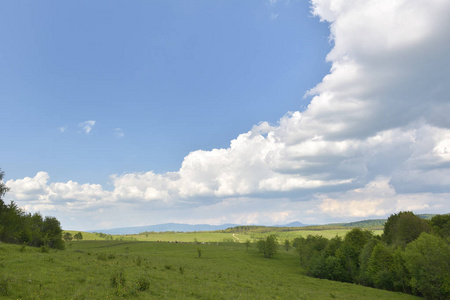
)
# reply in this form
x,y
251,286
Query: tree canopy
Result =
x,y
19,227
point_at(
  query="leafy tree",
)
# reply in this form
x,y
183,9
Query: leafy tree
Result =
x,y
364,276
287,244
3,187
401,275
428,261
441,225
307,248
53,233
403,228
67,236
380,267
78,236
350,252
19,227
247,243
332,246
269,246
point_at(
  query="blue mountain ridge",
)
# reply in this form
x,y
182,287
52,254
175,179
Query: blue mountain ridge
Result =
x,y
177,227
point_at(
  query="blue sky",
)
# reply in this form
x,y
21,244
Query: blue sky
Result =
x,y
253,112
174,77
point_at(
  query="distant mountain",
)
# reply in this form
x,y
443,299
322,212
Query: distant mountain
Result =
x,y
177,227
293,224
165,227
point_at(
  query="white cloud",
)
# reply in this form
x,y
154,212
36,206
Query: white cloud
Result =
x,y
118,132
62,129
374,139
87,126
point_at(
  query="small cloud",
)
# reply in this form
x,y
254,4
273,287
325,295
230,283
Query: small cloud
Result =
x,y
273,16
87,126
62,129
118,132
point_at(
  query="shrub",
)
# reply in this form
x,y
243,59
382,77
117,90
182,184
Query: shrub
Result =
x,y
143,284
102,256
139,261
44,249
4,286
403,228
118,279
428,261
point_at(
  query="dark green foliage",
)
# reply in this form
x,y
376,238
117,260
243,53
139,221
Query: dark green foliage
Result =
x,y
4,285
143,284
18,227
350,251
287,244
364,276
3,187
406,259
78,236
403,228
428,261
309,247
269,246
118,279
67,236
247,243
441,225
327,268
380,267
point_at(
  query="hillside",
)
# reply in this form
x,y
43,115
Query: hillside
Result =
x,y
373,224
149,270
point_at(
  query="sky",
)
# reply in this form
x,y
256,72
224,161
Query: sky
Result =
x,y
117,114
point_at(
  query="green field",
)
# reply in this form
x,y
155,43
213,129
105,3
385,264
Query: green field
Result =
x,y
220,236
152,270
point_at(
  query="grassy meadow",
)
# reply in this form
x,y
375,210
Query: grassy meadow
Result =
x,y
96,269
216,236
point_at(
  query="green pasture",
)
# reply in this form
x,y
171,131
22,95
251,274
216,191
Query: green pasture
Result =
x,y
98,269
327,233
215,237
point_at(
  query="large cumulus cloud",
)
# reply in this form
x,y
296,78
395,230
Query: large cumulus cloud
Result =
x,y
378,119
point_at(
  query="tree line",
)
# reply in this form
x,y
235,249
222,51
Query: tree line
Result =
x,y
411,256
19,227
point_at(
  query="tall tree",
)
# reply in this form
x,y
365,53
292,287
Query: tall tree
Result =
x,y
428,260
403,228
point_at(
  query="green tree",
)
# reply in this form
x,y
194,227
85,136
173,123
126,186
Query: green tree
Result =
x,y
428,261
271,246
78,236
67,236
309,247
380,267
403,228
364,257
247,243
287,244
350,251
441,225
3,187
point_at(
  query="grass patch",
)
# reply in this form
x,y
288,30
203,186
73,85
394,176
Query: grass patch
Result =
x,y
229,272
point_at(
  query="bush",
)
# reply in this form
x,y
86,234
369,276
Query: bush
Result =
x,y
403,228
44,249
4,286
143,284
428,261
118,279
